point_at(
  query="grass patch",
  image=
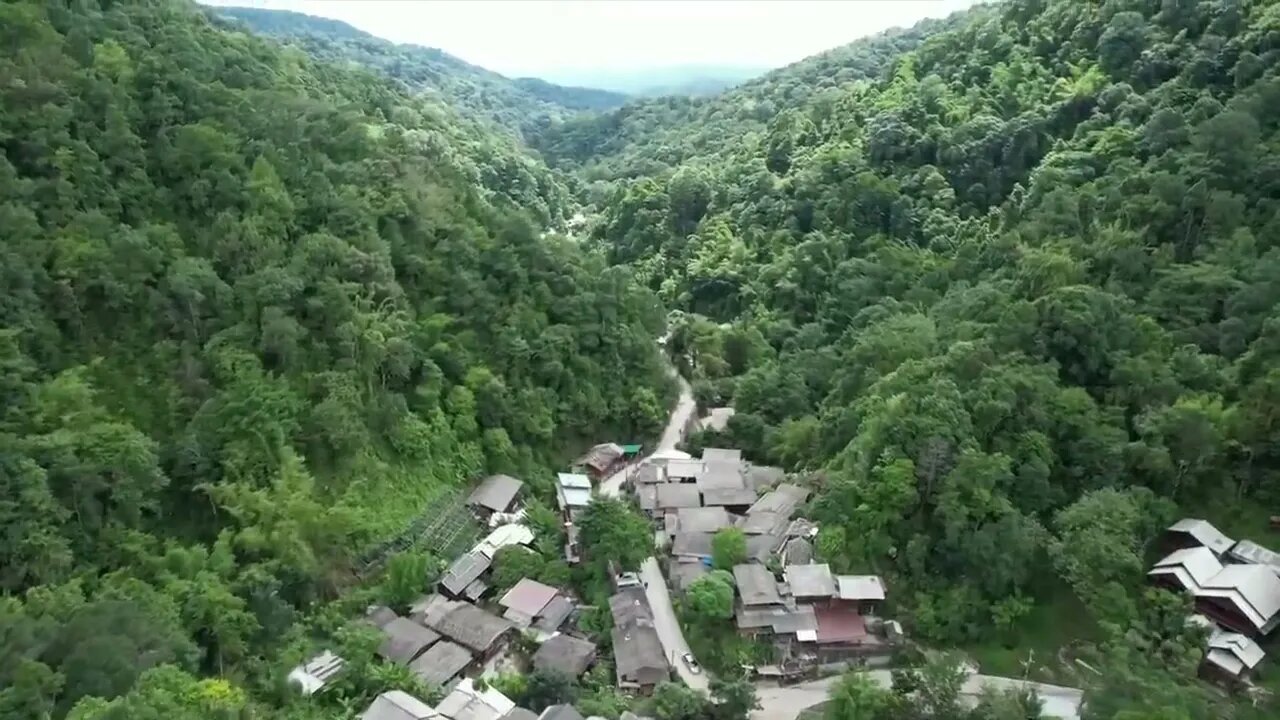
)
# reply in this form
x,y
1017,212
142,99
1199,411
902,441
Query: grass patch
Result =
x,y
1057,620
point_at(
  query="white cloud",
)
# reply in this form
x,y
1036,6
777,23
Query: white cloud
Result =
x,y
532,37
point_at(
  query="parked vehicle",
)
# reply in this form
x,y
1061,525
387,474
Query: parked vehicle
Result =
x,y
691,663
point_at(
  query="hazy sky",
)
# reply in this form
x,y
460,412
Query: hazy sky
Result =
x,y
529,37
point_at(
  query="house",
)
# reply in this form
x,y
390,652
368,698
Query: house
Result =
x,y
315,674
403,640
1243,598
1231,657
495,494
761,547
565,654
756,585
441,663
684,470
691,546
466,702
862,593
784,500
1193,532
702,519
639,662
525,601
810,582
674,496
737,499
724,485
398,705
462,579
573,493
775,620
601,460
561,712
650,474
469,626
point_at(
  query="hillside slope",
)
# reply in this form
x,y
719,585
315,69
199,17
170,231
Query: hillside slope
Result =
x,y
255,311
522,105
1010,287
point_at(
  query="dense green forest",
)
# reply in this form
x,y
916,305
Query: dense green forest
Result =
x,y
1007,283
525,106
254,311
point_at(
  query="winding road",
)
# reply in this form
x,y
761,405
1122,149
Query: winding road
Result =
x,y
777,702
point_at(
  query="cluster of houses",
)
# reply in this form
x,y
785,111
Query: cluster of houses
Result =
x,y
810,615
1236,591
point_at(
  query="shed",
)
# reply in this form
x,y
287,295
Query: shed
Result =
x,y
756,585
639,659
472,627
810,581
565,654
441,662
601,458
404,640
504,536
464,571
859,587
573,491
526,600
398,705
1233,654
702,519
496,493
313,675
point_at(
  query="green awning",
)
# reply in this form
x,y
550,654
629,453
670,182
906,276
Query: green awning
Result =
x,y
632,449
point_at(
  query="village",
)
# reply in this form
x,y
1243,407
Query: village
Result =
x,y
816,623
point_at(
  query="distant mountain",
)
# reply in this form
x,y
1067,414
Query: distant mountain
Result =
x,y
689,80
523,105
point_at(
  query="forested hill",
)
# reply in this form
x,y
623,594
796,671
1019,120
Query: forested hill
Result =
x,y
255,310
525,105
652,136
1016,294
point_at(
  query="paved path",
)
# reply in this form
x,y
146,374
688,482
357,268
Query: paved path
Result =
x,y
785,703
664,615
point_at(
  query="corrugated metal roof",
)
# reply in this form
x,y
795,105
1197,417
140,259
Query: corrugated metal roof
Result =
x,y
692,544
528,597
495,492
403,639
725,455
756,585
702,519
1198,562
808,581
729,496
565,653
1257,587
464,571
441,662
315,673
859,587
465,702
689,469
721,476
1205,533
502,536
398,705
1250,552
677,495
471,627
1246,650
573,480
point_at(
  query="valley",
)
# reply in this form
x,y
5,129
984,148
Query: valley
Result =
x,y
999,293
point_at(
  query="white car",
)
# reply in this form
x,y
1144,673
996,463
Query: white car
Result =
x,y
691,663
